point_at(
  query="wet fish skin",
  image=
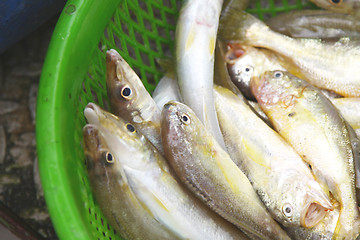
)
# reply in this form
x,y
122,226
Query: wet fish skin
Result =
x,y
312,125
308,59
315,24
282,180
166,206
166,90
130,100
123,211
195,39
206,169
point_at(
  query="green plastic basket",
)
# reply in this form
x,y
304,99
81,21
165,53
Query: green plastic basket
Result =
x,y
74,74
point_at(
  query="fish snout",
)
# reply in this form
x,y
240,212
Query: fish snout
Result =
x,y
92,112
314,211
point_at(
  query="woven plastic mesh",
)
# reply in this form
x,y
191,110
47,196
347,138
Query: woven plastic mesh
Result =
x,y
141,31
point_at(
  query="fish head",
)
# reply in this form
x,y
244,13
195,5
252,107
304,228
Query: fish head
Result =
x,y
277,88
240,64
123,85
178,117
121,138
301,201
99,160
179,126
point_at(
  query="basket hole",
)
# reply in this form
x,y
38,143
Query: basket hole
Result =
x,y
95,216
117,41
168,4
104,234
110,238
124,28
171,20
102,221
139,38
145,58
157,13
149,25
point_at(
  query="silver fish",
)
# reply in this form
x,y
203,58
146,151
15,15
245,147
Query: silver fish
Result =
x,y
137,190
206,169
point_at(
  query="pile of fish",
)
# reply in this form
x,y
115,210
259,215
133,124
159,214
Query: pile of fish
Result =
x,y
252,136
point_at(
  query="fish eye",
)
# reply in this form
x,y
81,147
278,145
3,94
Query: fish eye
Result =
x,y
278,74
130,127
287,210
248,69
126,92
109,157
336,1
185,118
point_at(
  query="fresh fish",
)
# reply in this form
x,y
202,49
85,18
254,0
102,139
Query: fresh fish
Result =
x,y
245,62
315,129
195,39
206,169
308,59
282,180
342,6
136,190
166,90
315,24
118,203
130,100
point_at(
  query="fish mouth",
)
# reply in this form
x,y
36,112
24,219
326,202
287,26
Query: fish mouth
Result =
x,y
235,51
92,112
314,212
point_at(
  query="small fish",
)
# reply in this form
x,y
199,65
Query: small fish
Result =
x,y
195,39
351,7
282,180
130,100
245,62
308,59
313,127
315,24
207,170
136,190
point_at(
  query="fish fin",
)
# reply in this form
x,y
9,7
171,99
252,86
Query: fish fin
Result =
x,y
168,66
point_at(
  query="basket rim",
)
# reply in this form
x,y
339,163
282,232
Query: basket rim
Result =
x,y
75,37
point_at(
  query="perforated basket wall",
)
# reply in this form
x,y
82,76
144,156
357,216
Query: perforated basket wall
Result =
x,y
74,74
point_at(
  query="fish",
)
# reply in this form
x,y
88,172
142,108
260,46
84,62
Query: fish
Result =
x,y
315,23
308,59
195,38
351,7
130,100
245,62
166,90
136,189
311,124
282,180
208,171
